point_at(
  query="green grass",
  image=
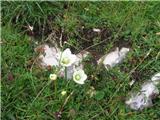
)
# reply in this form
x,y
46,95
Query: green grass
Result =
x,y
125,22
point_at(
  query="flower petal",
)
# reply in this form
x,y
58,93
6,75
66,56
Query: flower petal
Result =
x,y
79,82
84,77
66,52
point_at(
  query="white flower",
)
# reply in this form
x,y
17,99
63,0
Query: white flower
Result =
x,y
63,92
67,58
79,76
53,76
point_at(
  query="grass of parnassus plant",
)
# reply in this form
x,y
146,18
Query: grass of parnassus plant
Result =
x,y
137,22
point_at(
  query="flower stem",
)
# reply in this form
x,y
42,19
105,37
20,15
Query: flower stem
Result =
x,y
66,73
55,87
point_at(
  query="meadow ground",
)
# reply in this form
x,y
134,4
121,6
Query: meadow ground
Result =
x,y
131,24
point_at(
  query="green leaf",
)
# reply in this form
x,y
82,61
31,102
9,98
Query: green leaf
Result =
x,y
99,95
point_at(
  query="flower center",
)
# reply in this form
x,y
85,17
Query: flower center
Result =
x,y
65,60
77,77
